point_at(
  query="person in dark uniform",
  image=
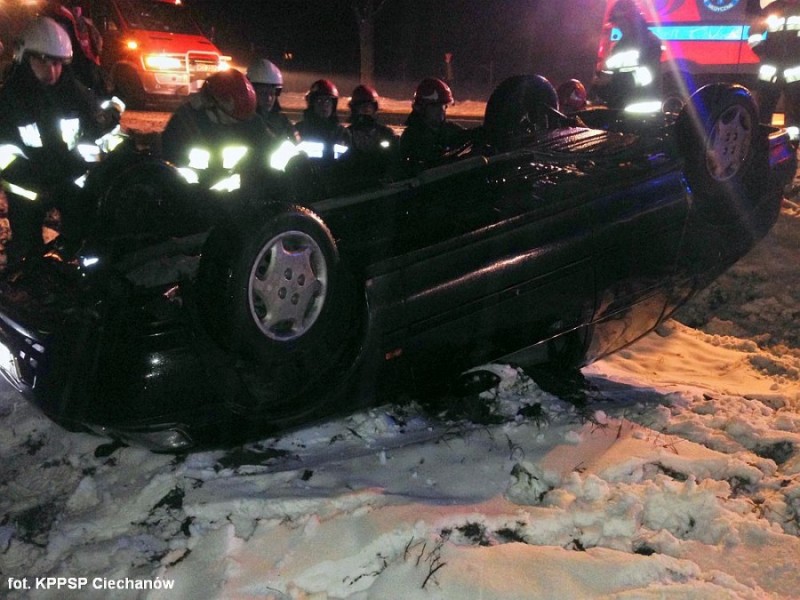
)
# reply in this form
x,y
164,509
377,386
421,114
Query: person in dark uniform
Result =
x,y
369,135
631,73
267,81
217,131
45,112
429,135
776,42
320,122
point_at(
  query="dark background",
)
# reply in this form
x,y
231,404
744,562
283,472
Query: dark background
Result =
x,y
488,39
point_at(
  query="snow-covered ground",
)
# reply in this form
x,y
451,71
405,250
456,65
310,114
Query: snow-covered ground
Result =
x,y
677,477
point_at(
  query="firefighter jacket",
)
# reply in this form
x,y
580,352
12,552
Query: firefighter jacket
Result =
x,y
49,122
776,41
369,135
194,139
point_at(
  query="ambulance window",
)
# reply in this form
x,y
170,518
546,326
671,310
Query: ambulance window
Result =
x,y
103,17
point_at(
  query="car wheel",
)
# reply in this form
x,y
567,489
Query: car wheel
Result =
x,y
519,106
717,133
141,199
129,88
677,87
274,292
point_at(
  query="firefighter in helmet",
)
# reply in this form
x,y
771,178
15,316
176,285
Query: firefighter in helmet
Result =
x,y
87,42
572,97
368,134
776,42
320,123
48,121
217,134
629,76
267,81
429,136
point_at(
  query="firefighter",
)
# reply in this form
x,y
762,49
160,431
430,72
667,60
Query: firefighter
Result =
x,y
571,96
267,81
630,76
46,115
776,42
368,134
217,134
320,123
87,43
429,136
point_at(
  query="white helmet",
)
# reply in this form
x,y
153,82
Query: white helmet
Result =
x,y
45,37
264,71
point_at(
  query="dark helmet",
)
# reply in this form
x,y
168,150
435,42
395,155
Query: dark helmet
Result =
x,y
572,96
233,93
624,9
433,91
363,94
322,88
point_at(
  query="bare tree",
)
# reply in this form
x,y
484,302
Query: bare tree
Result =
x,y
366,12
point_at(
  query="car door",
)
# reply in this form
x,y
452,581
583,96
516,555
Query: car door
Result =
x,y
638,226
496,257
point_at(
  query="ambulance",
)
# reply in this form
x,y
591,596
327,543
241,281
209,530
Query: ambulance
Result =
x,y
152,49
704,41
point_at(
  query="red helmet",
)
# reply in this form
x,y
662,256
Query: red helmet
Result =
x,y
572,96
233,93
363,94
322,87
433,91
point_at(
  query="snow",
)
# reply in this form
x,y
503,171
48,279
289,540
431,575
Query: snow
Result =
x,y
677,476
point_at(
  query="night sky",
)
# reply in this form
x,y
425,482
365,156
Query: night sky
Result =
x,y
489,39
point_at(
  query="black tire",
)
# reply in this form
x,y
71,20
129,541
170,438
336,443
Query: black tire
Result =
x,y
128,87
676,89
518,107
717,133
144,198
273,292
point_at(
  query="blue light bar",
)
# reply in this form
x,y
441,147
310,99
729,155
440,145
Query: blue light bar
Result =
x,y
695,33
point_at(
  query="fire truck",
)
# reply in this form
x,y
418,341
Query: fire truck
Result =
x,y
152,49
704,41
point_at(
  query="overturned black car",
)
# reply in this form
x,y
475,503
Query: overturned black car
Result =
x,y
191,319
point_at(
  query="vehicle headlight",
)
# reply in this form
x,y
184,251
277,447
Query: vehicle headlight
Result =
x,y
163,62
